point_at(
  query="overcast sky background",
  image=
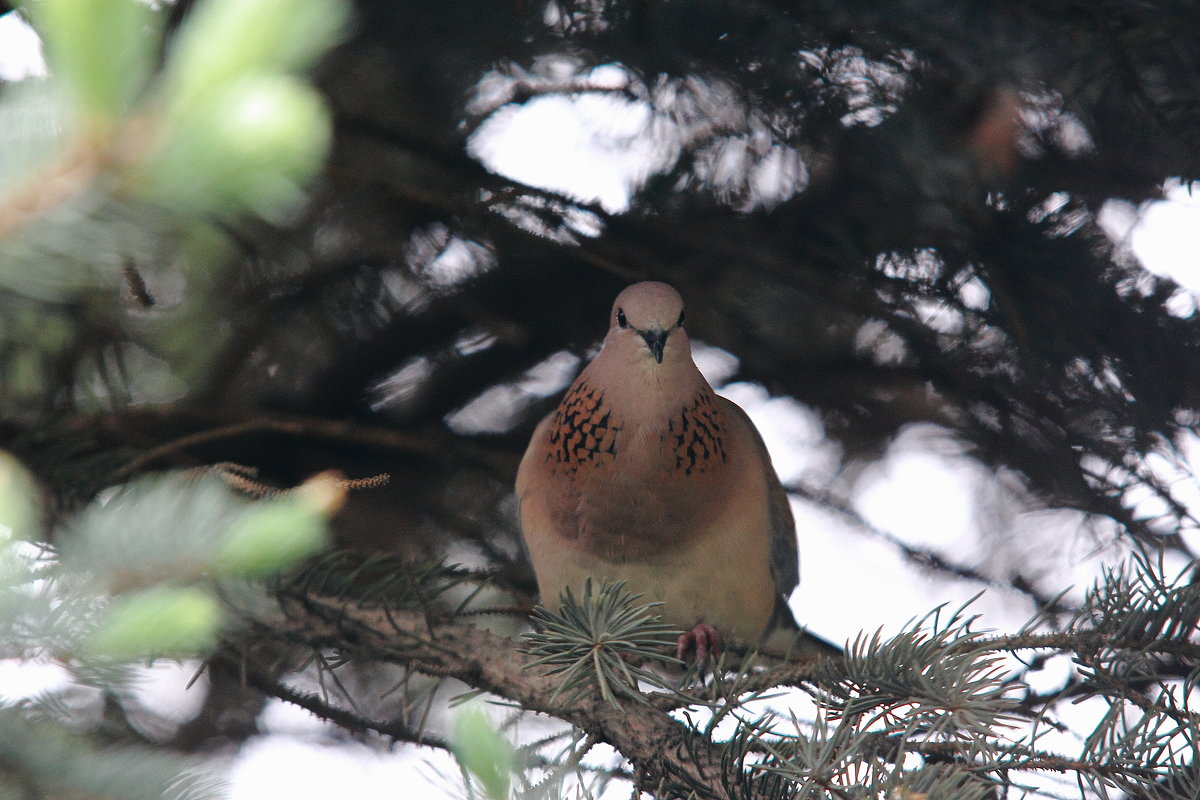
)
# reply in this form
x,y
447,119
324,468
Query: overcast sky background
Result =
x,y
925,491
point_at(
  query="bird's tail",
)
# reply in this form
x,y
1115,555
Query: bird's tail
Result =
x,y
785,636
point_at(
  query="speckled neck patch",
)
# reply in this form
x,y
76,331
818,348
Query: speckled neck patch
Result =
x,y
582,430
696,436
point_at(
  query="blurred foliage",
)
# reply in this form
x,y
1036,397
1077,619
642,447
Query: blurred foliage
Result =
x,y
135,576
116,169
122,153
484,752
890,212
43,760
18,500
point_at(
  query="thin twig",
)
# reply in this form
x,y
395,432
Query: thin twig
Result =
x,y
311,427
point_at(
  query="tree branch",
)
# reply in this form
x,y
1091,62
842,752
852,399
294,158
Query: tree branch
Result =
x,y
259,679
664,752
223,429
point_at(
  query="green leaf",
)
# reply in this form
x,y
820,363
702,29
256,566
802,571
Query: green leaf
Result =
x,y
18,496
252,145
223,41
271,535
160,621
484,752
158,528
102,50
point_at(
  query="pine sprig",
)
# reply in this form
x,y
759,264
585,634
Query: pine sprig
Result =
x,y
379,579
1133,602
591,642
921,681
818,757
837,757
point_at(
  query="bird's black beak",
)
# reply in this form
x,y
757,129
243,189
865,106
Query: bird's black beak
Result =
x,y
656,340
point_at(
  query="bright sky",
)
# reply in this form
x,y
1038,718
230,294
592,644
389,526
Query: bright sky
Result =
x,y
540,143
20,49
924,490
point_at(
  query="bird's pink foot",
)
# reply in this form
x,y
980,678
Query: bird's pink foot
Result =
x,y
703,640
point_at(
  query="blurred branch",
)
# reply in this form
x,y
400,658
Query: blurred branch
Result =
x,y
245,669
1111,31
434,446
924,557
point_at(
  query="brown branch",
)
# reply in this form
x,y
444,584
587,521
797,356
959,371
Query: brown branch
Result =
x,y
355,723
242,478
1110,29
376,438
312,427
663,750
1024,759
1081,641
667,756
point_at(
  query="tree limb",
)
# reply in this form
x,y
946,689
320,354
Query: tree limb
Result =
x,y
664,752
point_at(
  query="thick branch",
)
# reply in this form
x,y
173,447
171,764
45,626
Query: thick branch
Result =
x,y
665,753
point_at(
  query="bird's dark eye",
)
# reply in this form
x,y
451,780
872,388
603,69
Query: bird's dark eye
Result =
x,y
624,323
680,319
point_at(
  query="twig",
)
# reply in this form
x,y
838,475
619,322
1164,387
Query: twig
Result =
x,y
311,427
922,556
344,718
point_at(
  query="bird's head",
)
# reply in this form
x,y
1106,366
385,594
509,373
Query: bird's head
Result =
x,y
647,321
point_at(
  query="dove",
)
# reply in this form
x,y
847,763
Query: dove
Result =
x,y
644,474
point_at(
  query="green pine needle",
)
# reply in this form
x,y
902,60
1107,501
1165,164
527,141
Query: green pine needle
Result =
x,y
594,642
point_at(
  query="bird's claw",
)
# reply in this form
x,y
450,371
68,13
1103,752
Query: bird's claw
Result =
x,y
703,640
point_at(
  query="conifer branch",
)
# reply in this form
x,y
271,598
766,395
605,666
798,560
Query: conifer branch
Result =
x,y
663,749
253,675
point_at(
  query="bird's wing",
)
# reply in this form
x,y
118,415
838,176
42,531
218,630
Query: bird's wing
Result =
x,y
783,632
530,461
785,555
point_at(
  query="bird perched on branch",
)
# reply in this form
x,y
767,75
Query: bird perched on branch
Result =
x,y
646,475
